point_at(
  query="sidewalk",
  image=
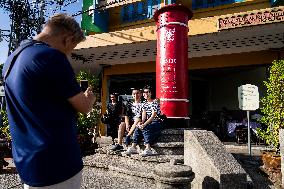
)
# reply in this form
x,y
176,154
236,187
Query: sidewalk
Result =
x,y
234,147
95,178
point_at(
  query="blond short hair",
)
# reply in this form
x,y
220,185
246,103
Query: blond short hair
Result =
x,y
62,23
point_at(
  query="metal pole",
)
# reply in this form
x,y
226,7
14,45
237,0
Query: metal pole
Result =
x,y
2,102
249,144
11,33
41,16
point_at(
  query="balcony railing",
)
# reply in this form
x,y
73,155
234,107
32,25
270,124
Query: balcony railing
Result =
x,y
198,4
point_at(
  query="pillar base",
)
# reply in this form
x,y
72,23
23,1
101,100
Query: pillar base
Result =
x,y
176,123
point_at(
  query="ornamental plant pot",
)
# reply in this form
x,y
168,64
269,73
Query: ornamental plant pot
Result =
x,y
272,166
5,152
86,144
271,161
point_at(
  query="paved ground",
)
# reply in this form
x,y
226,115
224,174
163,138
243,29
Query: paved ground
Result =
x,y
94,178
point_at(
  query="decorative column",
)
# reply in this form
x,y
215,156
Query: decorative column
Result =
x,y
172,60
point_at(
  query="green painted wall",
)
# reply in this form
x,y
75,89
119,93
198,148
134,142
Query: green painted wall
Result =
x,y
88,24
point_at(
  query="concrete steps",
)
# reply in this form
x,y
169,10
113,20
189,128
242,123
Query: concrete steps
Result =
x,y
169,147
170,142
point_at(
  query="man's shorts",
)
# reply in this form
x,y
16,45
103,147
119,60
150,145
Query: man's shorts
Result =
x,y
72,183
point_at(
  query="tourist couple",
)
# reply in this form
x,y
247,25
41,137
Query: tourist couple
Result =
x,y
142,122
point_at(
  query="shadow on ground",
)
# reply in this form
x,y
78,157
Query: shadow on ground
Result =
x,y
257,178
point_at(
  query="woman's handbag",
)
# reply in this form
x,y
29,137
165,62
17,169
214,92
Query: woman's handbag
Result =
x,y
105,119
162,119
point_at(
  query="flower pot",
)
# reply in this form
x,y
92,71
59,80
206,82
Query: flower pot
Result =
x,y
271,160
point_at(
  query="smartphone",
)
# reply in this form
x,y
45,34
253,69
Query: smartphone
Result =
x,y
84,85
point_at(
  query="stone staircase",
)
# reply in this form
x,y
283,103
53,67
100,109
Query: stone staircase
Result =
x,y
169,148
171,142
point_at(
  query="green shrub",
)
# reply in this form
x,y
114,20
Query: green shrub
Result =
x,y
273,105
87,122
4,127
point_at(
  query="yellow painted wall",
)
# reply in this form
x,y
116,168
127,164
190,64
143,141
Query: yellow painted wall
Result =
x,y
204,21
249,5
232,60
186,3
103,100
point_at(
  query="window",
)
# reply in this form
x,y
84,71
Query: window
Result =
x,y
153,5
135,12
197,4
142,10
124,15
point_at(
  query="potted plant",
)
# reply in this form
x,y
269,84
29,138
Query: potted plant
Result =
x,y
5,139
273,114
87,124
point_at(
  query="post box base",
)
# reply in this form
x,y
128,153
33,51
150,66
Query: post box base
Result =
x,y
176,123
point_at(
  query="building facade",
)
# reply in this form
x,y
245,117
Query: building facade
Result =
x,y
230,43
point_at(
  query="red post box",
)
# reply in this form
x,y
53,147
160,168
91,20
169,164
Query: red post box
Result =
x,y
172,60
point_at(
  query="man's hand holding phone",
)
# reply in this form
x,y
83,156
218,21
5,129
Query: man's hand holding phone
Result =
x,y
90,95
84,84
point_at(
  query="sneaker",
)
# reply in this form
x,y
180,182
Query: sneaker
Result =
x,y
131,150
146,152
117,147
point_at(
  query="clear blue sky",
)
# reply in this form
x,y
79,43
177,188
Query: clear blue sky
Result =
x,y
5,23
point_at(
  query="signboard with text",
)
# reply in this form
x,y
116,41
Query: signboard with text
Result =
x,y
248,97
254,18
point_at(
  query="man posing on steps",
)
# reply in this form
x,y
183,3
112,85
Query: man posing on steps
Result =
x,y
133,116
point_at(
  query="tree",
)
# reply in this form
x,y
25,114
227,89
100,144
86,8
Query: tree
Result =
x,y
28,16
24,21
1,68
273,105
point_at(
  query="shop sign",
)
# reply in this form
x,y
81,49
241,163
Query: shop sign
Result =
x,y
168,75
250,19
105,4
248,97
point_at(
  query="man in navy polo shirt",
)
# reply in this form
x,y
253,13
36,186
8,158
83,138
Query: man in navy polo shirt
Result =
x,y
42,97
